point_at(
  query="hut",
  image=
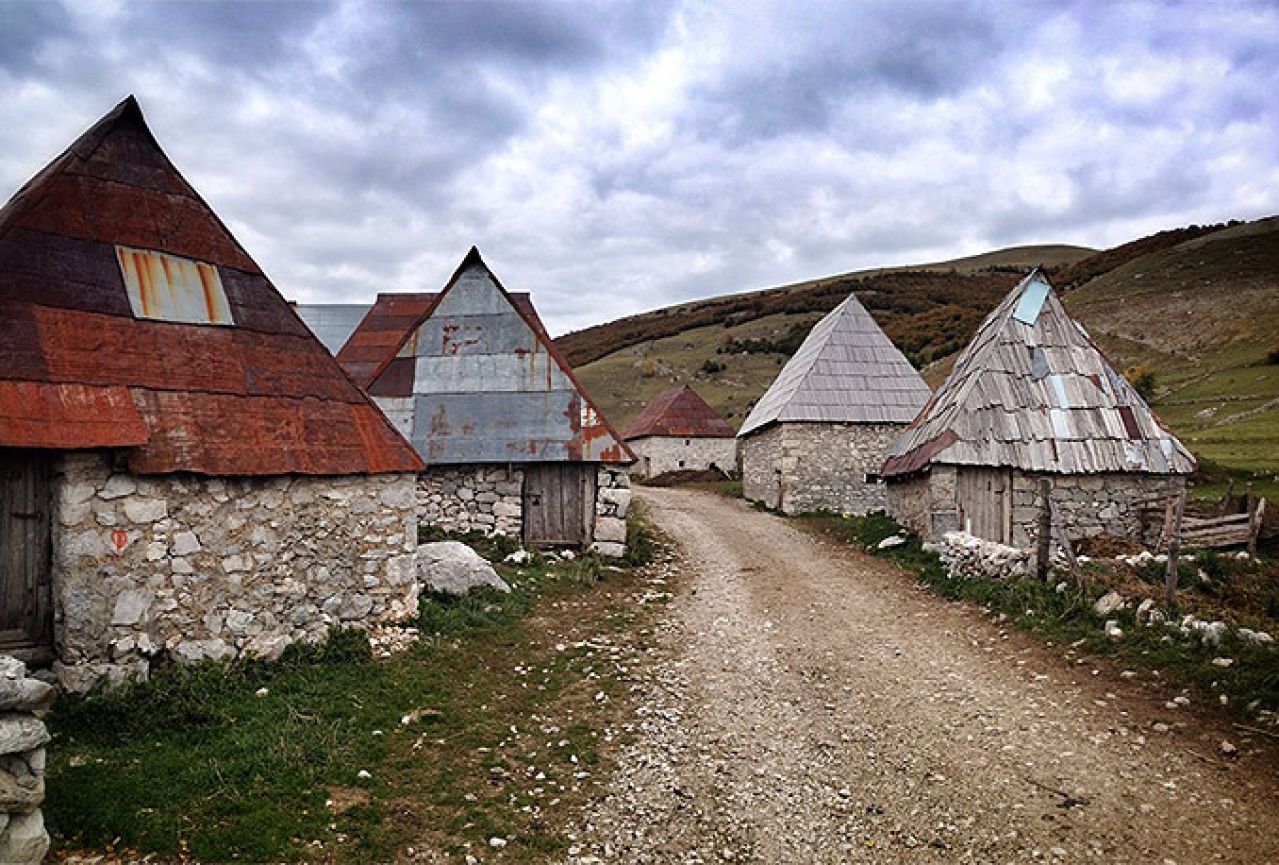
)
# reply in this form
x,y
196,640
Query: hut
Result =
x,y
1031,401
185,471
678,431
817,437
512,442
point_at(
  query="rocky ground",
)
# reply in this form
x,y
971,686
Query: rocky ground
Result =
x,y
814,705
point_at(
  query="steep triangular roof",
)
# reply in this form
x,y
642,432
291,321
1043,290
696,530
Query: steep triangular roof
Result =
x,y
1032,391
483,380
130,317
680,412
846,371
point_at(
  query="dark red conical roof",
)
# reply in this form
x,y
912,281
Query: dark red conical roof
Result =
x,y
678,412
248,391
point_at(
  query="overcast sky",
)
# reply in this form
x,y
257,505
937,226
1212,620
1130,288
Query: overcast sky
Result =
x,y
615,157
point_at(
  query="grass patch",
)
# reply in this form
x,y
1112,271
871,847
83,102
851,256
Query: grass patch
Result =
x,y
1067,617
202,762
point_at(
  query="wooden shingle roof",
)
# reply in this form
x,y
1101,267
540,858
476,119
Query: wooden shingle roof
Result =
x,y
130,317
678,412
1033,392
846,371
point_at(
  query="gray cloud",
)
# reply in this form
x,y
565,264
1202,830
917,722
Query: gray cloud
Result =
x,y
614,157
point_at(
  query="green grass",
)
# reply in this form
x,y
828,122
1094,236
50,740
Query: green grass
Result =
x,y
1067,617
195,763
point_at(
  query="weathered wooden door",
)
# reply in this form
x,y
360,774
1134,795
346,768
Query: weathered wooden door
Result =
x,y
985,502
559,504
26,621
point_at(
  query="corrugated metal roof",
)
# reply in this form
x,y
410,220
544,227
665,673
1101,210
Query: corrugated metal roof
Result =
x,y
680,412
486,381
332,323
846,371
1038,396
249,391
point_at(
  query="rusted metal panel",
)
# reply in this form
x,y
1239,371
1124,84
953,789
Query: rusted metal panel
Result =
x,y
36,267
256,305
68,416
332,323
678,412
169,288
396,380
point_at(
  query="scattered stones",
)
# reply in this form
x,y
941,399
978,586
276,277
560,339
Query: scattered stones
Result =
x,y
453,568
1108,603
1223,662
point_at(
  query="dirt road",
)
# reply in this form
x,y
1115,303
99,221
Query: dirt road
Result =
x,y
815,705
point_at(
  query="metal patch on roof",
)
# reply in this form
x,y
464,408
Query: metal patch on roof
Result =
x,y
1032,301
168,288
1059,391
1061,422
1038,363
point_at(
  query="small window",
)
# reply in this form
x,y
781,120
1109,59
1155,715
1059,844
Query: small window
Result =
x,y
681,464
687,442
872,478
168,288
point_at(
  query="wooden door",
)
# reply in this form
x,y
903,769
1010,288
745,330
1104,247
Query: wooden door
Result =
x,y
559,504
985,502
26,622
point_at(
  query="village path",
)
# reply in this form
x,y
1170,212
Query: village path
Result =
x,y
815,705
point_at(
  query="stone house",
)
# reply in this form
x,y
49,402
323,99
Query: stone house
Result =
x,y
817,437
185,471
678,431
512,442
1032,399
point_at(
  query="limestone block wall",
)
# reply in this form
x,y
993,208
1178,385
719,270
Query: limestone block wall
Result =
x,y
190,567
797,467
924,502
612,504
23,840
1088,505
465,498
657,455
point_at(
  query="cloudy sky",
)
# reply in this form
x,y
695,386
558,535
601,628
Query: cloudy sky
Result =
x,y
616,157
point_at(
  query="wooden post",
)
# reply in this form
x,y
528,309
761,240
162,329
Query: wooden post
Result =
x,y
1174,549
1224,506
1255,519
1165,534
1044,540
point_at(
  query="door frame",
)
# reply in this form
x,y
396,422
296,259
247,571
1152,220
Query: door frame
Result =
x,y
26,547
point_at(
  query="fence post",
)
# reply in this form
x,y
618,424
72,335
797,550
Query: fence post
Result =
x,y
1255,518
1174,549
1045,529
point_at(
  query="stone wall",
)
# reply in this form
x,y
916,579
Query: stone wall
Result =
x,y
924,502
612,504
23,840
482,498
190,567
797,467
657,455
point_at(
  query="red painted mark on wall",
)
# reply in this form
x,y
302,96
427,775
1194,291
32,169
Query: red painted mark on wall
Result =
x,y
121,540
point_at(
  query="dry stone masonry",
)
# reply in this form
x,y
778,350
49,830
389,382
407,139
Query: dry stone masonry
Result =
x,y
190,567
23,840
656,455
466,498
966,556
612,502
798,467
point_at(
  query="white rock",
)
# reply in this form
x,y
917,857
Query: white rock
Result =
x,y
363,775
185,543
890,542
1108,603
1227,748
518,557
261,692
130,606
497,843
1223,662
1212,633
117,487
140,510
1113,630
453,568
24,841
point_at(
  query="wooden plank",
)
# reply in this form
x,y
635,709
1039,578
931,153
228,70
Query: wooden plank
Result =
x,y
25,597
1174,548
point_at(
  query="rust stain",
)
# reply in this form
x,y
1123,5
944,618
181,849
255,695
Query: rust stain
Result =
x,y
207,282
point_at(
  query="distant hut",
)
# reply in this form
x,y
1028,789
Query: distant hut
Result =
x,y
817,438
678,431
185,472
513,444
1032,399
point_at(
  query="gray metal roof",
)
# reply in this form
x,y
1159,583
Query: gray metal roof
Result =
x,y
332,323
1032,391
847,371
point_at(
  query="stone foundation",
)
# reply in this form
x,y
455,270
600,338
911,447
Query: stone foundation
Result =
x,y
925,502
612,503
480,498
190,567
656,455
23,840
798,467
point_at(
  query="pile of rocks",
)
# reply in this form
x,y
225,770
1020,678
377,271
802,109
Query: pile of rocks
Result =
x,y
967,556
23,736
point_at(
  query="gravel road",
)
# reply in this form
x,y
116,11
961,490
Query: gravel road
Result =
x,y
811,704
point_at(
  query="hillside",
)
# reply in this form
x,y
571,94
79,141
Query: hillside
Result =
x,y
1198,306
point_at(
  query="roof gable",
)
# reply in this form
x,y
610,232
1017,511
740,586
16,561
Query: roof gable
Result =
x,y
679,412
846,371
1032,391
476,378
129,316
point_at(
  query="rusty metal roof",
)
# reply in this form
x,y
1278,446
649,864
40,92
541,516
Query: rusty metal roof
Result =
x,y
130,317
1032,391
471,375
681,413
846,371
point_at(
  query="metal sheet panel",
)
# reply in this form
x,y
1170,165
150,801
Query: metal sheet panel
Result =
x,y
169,288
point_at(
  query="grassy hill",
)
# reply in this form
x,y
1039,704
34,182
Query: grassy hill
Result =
x,y
1197,306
